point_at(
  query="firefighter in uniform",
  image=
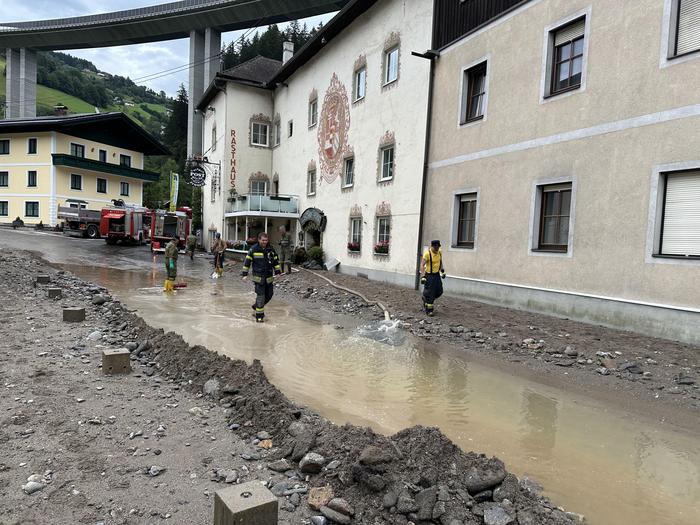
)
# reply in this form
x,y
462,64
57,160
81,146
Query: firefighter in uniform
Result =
x,y
266,265
432,273
285,250
171,250
219,249
191,245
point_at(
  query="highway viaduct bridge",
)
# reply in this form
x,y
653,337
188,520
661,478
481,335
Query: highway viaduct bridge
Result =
x,y
202,21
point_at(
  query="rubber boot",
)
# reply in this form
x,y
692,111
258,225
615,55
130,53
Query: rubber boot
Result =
x,y
165,285
289,268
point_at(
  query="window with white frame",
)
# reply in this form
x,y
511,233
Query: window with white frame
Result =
x,y
391,65
277,131
360,83
77,150
31,209
566,57
349,172
258,187
355,243
313,112
4,146
465,218
679,231
383,235
4,209
31,179
311,182
554,217
4,179
213,137
101,185
473,93
124,189
259,134
76,182
386,171
32,146
685,27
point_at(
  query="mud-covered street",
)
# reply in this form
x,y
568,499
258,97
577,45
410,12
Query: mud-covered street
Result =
x,y
505,383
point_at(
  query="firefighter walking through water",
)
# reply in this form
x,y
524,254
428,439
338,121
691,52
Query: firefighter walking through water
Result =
x,y
218,248
265,263
432,273
171,250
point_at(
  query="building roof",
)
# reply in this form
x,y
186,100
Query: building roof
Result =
x,y
258,69
115,129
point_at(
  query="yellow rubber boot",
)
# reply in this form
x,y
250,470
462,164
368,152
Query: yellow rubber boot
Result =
x,y
165,285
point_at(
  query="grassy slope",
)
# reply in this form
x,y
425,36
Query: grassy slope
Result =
x,y
47,98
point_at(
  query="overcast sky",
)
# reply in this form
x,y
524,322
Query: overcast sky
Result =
x,y
136,61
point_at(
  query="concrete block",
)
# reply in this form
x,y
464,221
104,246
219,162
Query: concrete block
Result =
x,y
116,361
246,504
74,315
55,293
42,279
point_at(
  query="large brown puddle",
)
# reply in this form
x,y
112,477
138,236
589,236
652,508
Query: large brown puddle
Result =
x,y
593,459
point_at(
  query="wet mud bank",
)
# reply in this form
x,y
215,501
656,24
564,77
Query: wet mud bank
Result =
x,y
188,421
634,371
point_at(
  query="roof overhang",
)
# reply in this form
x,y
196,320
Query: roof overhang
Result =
x,y
158,23
71,161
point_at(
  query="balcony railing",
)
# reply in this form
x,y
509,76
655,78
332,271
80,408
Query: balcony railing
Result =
x,y
254,202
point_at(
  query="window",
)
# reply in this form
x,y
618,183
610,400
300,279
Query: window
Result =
x,y
567,63
311,183
76,182
31,146
77,206
103,155
31,209
4,209
213,137
101,185
349,172
360,83
125,160
258,134
124,189
4,146
554,217
258,187
391,65
4,179
355,234
77,150
687,27
278,133
474,94
31,179
466,220
383,235
387,168
313,112
680,216
290,128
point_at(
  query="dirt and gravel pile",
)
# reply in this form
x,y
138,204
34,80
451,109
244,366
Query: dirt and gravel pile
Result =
x,y
644,368
155,445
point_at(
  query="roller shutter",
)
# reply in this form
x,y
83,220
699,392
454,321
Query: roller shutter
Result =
x,y
681,227
688,27
573,31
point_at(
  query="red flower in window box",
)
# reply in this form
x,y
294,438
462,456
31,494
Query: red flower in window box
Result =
x,y
353,246
382,247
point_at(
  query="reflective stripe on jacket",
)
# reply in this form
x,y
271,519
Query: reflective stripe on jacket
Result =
x,y
264,262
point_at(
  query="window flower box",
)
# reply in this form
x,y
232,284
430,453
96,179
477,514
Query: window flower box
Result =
x,y
382,248
353,246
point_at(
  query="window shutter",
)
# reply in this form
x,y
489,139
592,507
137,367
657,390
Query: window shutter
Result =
x,y
573,31
681,234
688,27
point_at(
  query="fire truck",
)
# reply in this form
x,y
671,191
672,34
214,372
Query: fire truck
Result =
x,y
128,224
165,225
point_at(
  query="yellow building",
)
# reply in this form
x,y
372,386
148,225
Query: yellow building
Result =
x,y
79,161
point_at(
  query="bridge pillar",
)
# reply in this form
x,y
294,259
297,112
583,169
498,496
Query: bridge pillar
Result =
x,y
12,83
20,86
27,82
194,119
212,54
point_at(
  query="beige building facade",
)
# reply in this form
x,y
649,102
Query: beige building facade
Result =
x,y
564,162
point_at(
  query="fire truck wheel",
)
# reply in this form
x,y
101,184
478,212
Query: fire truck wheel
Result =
x,y
92,232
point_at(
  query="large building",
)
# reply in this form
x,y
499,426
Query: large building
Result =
x,y
330,143
82,161
564,164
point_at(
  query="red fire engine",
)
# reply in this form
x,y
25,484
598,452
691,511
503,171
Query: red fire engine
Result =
x,y
165,225
127,224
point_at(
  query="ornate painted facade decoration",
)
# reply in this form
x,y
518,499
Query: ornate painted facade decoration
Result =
x,y
259,175
356,211
333,127
387,139
313,95
383,209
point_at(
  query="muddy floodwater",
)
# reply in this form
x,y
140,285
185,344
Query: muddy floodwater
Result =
x,y
593,459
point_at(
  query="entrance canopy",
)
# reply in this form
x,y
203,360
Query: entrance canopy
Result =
x,y
313,219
